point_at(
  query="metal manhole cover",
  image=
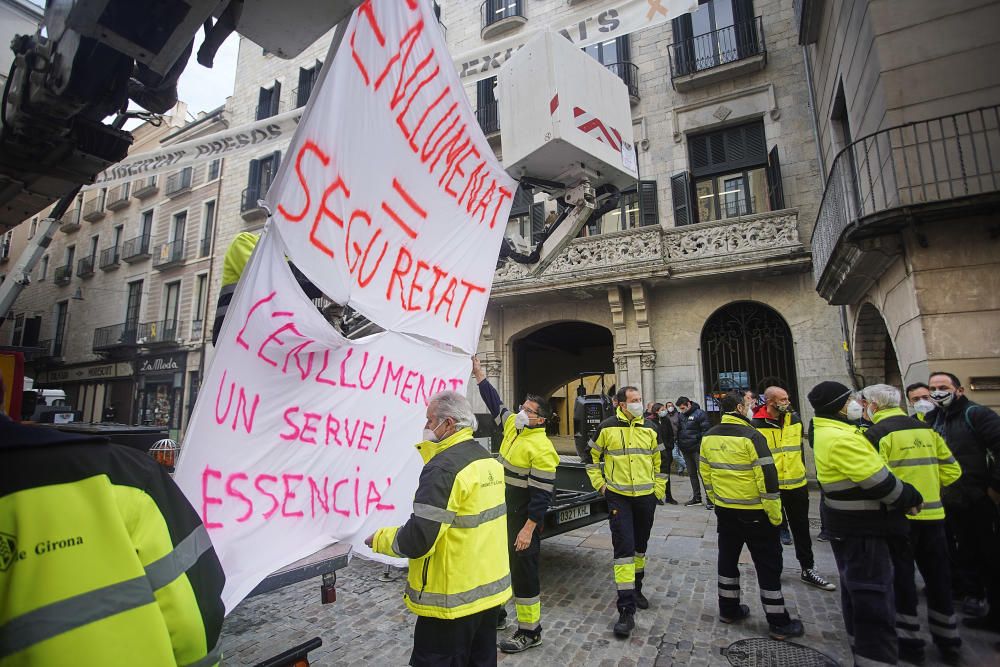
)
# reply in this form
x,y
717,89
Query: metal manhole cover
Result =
x,y
761,652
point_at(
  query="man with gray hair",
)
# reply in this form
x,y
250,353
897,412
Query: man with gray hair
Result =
x,y
456,540
915,454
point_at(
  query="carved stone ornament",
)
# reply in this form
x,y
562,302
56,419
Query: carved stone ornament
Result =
x,y
493,367
648,361
727,237
621,362
616,251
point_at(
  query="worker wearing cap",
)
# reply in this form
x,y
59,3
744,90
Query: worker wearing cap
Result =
x,y
864,507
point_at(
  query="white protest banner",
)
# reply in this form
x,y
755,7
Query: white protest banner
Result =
x,y
588,26
256,137
391,199
300,437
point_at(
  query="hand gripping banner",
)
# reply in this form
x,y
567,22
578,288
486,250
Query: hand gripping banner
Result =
x,y
391,199
300,437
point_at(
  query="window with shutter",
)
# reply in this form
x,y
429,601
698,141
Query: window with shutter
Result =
x,y
680,194
522,201
731,174
648,206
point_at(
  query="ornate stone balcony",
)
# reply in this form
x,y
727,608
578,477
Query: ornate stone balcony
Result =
x,y
766,242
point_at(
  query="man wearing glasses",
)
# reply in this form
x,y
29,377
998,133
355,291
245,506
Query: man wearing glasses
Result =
x,y
529,462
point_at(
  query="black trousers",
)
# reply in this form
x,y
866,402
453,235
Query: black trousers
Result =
x,y
470,640
524,575
667,458
631,520
795,503
866,596
928,548
974,529
753,529
691,461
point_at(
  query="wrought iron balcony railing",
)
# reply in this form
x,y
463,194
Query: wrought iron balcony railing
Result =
x,y
115,336
85,267
500,15
63,274
629,74
179,182
93,209
719,47
70,222
169,254
145,187
929,162
137,249
118,197
110,258
159,332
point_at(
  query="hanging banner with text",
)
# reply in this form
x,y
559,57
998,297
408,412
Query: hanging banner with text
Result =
x,y
588,26
254,138
390,198
300,437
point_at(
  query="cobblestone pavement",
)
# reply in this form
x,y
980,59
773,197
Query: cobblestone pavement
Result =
x,y
368,624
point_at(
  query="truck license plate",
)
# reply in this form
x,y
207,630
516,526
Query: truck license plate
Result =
x,y
565,516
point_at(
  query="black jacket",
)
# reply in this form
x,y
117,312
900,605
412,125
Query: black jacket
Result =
x,y
971,431
692,426
666,432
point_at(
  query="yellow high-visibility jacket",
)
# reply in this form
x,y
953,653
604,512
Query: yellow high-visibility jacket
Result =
x,y
784,439
626,457
915,453
529,460
861,496
738,469
102,559
456,538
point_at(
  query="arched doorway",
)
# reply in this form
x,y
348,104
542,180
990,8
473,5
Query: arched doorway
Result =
x,y
550,361
874,354
747,345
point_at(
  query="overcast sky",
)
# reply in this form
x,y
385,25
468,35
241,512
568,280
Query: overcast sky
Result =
x,y
205,89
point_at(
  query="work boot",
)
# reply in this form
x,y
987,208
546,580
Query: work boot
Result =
x,y
950,654
975,607
781,632
709,506
669,500
810,577
625,624
521,641
912,654
744,611
786,537
640,600
693,502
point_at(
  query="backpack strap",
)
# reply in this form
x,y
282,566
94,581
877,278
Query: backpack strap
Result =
x,y
968,421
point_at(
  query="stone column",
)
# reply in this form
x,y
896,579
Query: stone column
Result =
x,y
621,369
648,364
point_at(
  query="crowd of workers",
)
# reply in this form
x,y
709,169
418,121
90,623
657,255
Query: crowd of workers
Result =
x,y
899,494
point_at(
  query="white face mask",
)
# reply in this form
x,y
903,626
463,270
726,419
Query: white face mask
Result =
x,y
636,409
521,419
671,409
854,411
923,406
430,435
663,413
943,398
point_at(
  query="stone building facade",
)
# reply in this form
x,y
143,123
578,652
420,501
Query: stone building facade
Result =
x,y
706,286
906,239
115,311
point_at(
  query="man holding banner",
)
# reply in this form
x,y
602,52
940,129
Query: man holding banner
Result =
x,y
530,462
459,575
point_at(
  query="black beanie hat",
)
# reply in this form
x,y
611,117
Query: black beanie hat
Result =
x,y
827,398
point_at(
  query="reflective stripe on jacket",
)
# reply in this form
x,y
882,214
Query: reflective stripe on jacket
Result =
x,y
861,496
626,457
915,454
529,460
784,439
456,538
737,468
103,561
